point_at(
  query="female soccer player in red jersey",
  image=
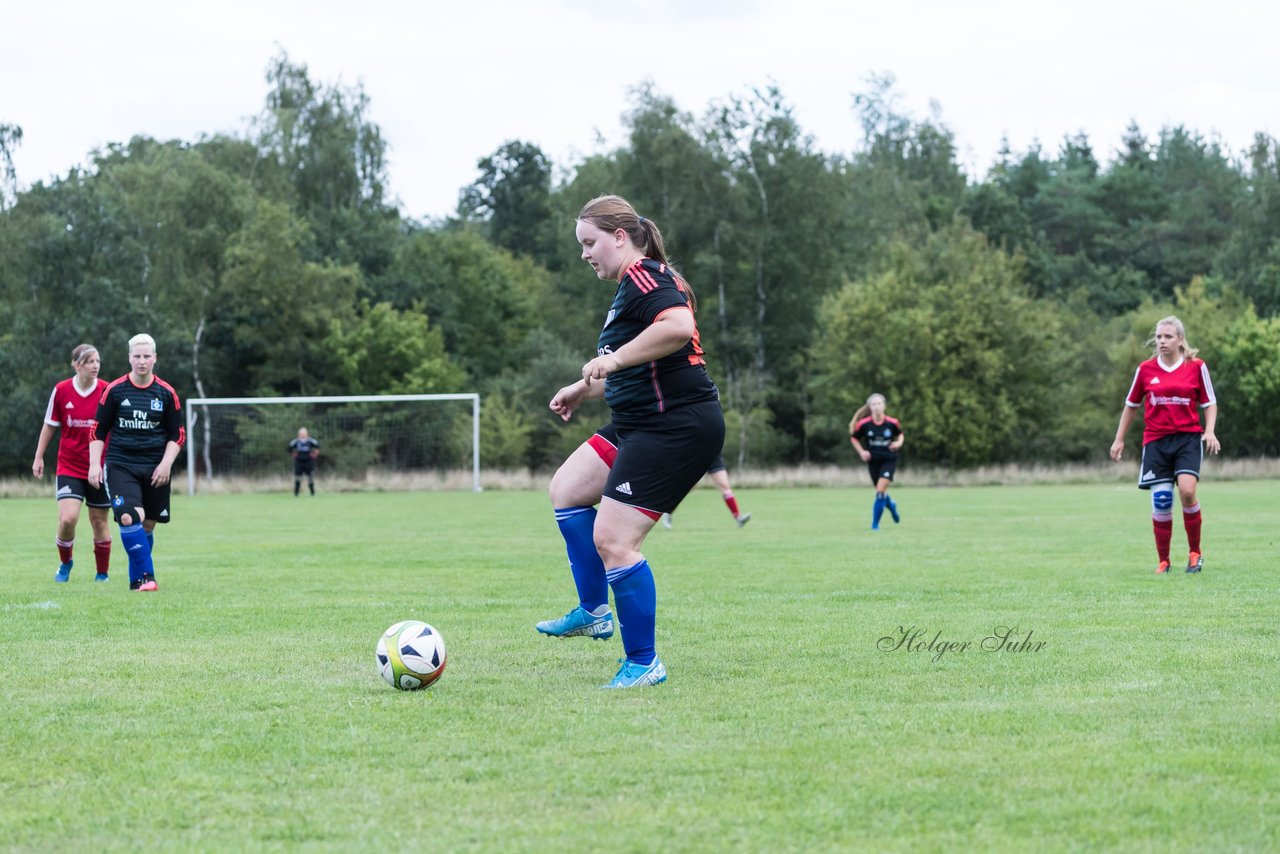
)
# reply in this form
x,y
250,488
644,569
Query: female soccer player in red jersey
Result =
x,y
877,437
667,430
1171,387
73,405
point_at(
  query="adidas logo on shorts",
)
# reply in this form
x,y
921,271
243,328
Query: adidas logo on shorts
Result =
x,y
624,488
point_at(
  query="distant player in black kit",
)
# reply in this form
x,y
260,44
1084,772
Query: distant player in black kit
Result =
x,y
142,416
667,424
305,450
877,437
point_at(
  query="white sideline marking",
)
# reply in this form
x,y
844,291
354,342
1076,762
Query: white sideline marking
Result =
x,y
44,606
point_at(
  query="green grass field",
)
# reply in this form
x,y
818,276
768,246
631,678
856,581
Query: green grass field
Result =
x,y
240,707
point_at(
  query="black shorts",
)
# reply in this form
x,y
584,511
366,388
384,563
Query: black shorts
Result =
x,y
301,467
882,468
608,449
80,489
130,487
658,464
1165,458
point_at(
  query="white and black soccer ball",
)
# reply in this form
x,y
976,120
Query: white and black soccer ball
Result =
x,y
411,655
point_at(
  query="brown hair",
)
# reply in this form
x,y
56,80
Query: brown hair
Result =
x,y
863,410
1188,352
81,354
610,213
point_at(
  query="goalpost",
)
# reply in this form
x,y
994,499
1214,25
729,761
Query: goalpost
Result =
x,y
248,437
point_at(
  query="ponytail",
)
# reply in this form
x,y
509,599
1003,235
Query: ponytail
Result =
x,y
609,213
858,416
864,410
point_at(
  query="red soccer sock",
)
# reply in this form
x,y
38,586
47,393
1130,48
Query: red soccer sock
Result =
x,y
732,502
1164,533
64,549
1191,521
102,555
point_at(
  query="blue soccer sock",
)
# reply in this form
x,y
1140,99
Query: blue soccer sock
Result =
x,y
577,526
138,550
636,600
878,510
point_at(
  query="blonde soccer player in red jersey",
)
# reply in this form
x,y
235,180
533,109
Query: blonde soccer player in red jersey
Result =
x,y
1172,387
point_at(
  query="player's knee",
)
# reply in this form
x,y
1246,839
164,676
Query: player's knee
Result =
x,y
609,547
1162,500
126,516
561,490
576,484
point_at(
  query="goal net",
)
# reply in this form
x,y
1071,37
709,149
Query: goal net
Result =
x,y
387,441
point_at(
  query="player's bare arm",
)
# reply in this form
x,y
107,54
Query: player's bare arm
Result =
x,y
42,445
569,398
160,476
669,331
1211,443
1126,419
95,462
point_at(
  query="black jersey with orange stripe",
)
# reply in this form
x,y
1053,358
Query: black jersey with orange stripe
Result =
x,y
138,423
636,394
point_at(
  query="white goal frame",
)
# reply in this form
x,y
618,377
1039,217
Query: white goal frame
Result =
x,y
351,398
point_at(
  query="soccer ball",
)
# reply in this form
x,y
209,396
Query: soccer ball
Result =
x,y
411,655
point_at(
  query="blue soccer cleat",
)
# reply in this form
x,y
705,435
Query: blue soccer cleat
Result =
x,y
579,623
102,576
63,575
633,675
893,511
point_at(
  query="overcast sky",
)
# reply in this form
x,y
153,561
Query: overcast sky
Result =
x,y
449,82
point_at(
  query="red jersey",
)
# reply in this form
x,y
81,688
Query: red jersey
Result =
x,y
74,411
1172,396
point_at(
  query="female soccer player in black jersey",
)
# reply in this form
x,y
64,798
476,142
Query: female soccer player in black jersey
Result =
x,y
876,438
669,428
142,416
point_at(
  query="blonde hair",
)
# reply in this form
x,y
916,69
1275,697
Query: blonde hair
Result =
x,y
142,338
1188,352
864,409
81,354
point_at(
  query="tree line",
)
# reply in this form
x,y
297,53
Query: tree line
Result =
x,y
1002,315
